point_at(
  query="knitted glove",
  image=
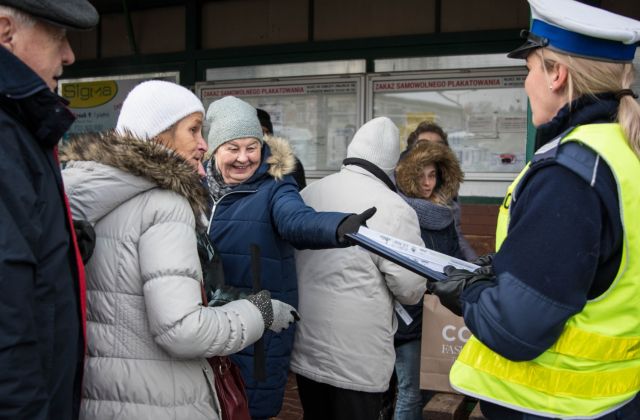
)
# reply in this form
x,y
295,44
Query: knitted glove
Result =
x,y
351,224
457,281
283,315
276,315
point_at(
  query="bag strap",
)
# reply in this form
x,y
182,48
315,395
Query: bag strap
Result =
x,y
373,169
215,278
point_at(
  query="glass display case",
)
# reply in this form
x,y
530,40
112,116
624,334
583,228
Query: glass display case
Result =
x,y
317,115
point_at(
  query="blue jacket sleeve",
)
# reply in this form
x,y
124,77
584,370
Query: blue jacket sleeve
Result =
x,y
544,268
23,391
301,225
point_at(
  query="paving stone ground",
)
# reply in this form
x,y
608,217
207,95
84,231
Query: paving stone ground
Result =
x,y
291,408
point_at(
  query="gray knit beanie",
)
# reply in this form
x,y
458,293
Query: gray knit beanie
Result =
x,y
231,118
378,142
155,105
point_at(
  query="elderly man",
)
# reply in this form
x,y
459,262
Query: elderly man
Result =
x,y
41,275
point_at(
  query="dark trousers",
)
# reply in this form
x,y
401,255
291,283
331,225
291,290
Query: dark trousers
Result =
x,y
326,402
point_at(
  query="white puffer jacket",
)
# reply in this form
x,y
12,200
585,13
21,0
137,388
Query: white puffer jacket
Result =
x,y
147,331
346,295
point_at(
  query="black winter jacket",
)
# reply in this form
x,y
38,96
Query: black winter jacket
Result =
x,y
41,342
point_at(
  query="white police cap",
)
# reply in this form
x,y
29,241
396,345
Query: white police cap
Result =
x,y
579,29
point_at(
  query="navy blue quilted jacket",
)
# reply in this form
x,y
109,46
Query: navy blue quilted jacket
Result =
x,y
267,210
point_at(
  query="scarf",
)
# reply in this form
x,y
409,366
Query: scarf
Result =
x,y
217,186
431,216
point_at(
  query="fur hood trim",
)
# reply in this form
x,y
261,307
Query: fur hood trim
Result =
x,y
410,169
282,160
147,159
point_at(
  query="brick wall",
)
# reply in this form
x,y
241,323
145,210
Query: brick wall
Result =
x,y
479,226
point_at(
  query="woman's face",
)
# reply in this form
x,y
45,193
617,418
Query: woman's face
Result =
x,y
186,139
543,94
428,180
237,160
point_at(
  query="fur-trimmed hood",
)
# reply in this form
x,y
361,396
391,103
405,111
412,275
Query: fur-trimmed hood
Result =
x,y
135,166
410,168
282,160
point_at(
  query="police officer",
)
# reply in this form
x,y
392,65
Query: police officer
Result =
x,y
554,313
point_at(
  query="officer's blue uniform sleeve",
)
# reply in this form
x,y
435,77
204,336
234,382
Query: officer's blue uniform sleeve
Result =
x,y
545,267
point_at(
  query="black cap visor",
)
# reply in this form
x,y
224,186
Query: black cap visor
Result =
x,y
533,41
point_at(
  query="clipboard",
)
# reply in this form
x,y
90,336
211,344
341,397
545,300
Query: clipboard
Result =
x,y
408,258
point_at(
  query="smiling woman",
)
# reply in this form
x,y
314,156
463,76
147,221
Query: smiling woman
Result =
x,y
238,159
255,200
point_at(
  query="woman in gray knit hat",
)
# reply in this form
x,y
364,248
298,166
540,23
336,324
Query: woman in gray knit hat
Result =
x,y
255,200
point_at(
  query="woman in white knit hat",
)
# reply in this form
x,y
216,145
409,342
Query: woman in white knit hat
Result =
x,y
256,201
148,332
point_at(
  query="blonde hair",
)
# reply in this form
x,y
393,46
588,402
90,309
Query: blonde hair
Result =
x,y
589,77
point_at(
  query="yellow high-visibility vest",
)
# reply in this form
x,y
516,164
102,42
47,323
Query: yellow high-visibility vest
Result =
x,y
594,367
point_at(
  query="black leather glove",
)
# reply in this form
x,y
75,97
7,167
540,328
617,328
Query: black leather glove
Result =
x,y
352,223
484,260
457,281
86,237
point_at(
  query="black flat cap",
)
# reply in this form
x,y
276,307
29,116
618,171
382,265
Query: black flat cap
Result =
x,y
71,14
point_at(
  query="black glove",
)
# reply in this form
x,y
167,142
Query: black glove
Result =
x,y
457,281
86,237
352,223
484,260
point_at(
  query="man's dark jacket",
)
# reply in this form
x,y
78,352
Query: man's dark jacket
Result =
x,y
41,343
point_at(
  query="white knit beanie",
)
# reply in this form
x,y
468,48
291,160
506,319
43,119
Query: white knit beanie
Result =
x,y
231,118
154,106
378,142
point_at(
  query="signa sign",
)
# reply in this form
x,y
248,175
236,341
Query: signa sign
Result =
x,y
89,94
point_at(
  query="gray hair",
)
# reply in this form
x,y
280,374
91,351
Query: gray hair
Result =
x,y
22,18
